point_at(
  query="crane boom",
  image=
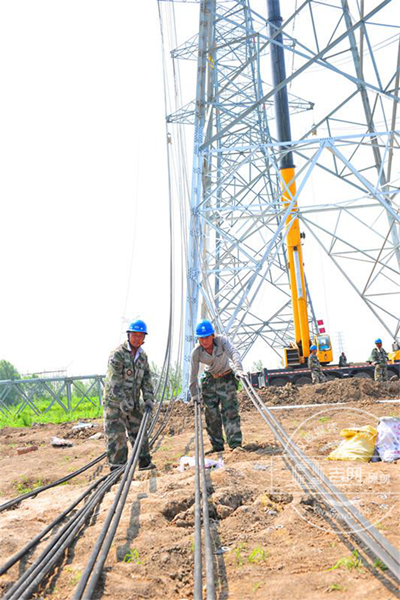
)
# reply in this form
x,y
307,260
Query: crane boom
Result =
x,y
301,350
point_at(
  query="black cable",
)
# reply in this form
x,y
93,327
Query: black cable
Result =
x,y
87,587
38,490
198,567
369,535
163,423
208,547
34,541
29,581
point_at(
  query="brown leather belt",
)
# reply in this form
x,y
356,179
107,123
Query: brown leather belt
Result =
x,y
217,375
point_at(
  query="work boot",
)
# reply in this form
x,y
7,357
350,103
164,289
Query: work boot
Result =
x,y
214,451
238,447
146,465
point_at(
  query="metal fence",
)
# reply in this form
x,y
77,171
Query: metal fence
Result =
x,y
66,392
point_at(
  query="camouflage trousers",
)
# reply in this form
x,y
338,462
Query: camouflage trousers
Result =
x,y
117,425
221,407
380,373
317,376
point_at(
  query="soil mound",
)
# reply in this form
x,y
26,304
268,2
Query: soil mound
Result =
x,y
339,390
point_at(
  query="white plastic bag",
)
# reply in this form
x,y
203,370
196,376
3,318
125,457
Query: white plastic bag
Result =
x,y
81,426
59,442
190,461
388,444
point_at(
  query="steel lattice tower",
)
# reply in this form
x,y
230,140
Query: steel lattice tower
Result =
x,y
237,261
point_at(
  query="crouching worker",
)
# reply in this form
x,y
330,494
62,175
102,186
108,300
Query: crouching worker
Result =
x,y
128,377
218,386
317,375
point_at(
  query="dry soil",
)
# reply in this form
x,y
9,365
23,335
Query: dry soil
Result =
x,y
272,539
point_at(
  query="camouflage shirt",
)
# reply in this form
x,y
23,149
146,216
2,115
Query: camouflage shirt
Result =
x,y
127,377
313,363
217,362
379,355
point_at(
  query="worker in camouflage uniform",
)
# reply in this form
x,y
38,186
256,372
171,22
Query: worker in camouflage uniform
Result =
x,y
317,376
379,358
128,377
218,385
343,360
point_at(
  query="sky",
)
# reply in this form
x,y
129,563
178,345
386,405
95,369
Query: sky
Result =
x,y
84,187
83,182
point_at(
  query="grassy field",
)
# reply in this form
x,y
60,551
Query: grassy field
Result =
x,y
85,410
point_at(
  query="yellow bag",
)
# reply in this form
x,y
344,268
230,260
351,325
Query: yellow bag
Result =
x,y
358,444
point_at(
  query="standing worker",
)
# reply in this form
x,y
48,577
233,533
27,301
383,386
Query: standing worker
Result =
x,y
218,386
379,358
343,360
317,376
128,377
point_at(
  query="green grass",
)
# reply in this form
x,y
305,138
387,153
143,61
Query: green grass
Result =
x,y
56,414
256,556
132,557
379,564
75,576
257,585
335,587
239,559
24,486
348,562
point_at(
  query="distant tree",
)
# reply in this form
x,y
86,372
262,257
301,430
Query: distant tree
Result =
x,y
155,373
175,379
257,365
30,376
8,371
173,384
155,369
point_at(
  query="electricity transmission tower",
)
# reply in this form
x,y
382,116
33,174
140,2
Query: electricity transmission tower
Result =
x,y
345,56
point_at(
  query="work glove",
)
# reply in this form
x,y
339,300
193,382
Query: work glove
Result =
x,y
149,404
196,398
240,375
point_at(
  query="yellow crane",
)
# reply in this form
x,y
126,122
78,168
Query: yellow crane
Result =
x,y
297,354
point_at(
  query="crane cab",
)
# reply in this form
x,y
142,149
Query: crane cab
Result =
x,y
324,348
394,356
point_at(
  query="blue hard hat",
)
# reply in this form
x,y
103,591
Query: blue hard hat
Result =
x,y
204,329
313,347
378,341
138,326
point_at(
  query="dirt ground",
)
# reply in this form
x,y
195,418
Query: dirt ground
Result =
x,y
271,538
